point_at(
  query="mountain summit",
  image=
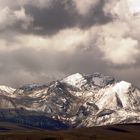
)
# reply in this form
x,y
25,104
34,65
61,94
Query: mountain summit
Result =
x,y
75,101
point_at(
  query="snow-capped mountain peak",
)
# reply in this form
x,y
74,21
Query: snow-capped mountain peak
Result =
x,y
77,100
122,87
76,80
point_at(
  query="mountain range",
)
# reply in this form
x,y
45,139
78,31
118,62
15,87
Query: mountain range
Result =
x,y
75,101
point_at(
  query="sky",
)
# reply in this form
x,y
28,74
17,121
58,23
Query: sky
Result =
x,y
45,40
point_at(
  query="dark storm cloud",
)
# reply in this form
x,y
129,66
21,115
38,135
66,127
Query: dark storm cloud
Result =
x,y
95,16
51,19
63,14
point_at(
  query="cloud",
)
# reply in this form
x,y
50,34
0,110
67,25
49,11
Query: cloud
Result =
x,y
44,40
64,40
64,14
30,65
119,38
34,58
22,3
134,6
83,7
37,3
115,49
50,16
115,44
10,19
122,9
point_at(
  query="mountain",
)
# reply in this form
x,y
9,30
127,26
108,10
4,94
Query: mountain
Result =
x,y
75,101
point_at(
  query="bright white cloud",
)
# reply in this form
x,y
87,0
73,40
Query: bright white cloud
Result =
x,y
119,39
123,9
134,6
115,44
120,50
65,40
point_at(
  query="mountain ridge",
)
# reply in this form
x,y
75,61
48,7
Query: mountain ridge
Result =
x,y
75,101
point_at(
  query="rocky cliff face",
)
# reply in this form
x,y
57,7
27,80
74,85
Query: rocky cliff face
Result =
x,y
75,101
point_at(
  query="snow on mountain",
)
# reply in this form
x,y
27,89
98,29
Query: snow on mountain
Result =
x,y
78,100
75,80
122,87
7,89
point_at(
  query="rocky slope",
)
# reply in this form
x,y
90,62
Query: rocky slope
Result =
x,y
75,101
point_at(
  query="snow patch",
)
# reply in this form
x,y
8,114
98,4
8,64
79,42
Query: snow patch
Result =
x,y
122,87
76,80
7,89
